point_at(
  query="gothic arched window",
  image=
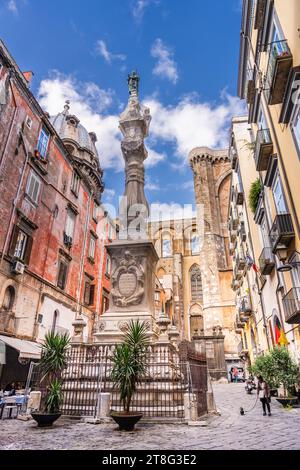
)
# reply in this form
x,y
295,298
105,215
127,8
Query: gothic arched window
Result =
x,y
196,284
195,243
166,246
9,298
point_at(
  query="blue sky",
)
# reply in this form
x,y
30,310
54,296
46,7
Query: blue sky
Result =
x,y
186,52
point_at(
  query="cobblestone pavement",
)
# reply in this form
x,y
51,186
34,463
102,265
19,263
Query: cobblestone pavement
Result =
x,y
228,431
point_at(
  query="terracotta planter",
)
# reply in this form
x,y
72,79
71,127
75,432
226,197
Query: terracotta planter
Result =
x,y
45,420
287,401
126,421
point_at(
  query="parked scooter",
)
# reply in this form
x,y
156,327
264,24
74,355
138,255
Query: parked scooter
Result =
x,y
250,385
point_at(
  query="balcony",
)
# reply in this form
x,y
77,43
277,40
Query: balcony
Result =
x,y
260,14
242,232
7,322
291,305
232,247
279,66
282,232
240,262
239,197
235,285
266,261
249,87
245,307
239,323
237,274
263,149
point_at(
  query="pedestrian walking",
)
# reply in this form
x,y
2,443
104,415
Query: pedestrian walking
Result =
x,y
235,374
263,392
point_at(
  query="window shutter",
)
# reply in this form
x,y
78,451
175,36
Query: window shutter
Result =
x,y
13,242
92,294
87,289
28,250
62,275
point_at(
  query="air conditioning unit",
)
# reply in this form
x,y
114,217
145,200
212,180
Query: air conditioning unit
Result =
x,y
18,267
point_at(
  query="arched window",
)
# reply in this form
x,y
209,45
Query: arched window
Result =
x,y
55,321
196,284
195,243
166,246
9,298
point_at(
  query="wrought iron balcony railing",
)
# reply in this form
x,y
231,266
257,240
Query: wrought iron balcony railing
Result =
x,y
263,149
279,66
266,261
282,231
249,91
291,305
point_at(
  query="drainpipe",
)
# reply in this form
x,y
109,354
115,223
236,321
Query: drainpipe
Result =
x,y
12,123
15,201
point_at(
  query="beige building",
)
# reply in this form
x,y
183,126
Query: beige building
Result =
x,y
194,264
269,73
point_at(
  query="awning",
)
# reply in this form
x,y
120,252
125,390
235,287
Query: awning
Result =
x,y
27,349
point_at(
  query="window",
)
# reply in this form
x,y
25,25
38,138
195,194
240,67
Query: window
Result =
x,y
95,211
70,223
43,142
105,301
195,244
55,321
261,120
9,298
92,247
296,128
28,122
196,284
276,35
33,187
75,184
21,243
279,196
264,230
89,293
62,273
166,246
108,266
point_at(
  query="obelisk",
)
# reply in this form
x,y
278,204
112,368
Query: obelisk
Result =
x,y
133,256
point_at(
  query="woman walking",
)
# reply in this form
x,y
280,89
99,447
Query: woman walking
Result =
x,y
263,391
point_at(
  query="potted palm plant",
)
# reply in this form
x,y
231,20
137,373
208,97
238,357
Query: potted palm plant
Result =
x,y
53,362
129,367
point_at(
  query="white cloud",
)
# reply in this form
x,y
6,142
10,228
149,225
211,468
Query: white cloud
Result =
x,y
53,93
109,194
192,123
165,67
101,49
139,7
89,102
151,185
12,6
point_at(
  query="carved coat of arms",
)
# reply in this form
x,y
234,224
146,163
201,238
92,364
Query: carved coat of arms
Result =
x,y
128,281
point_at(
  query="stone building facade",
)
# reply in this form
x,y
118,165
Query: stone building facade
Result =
x,y
195,267
53,264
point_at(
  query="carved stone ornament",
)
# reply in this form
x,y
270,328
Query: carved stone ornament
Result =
x,y
101,325
128,281
123,326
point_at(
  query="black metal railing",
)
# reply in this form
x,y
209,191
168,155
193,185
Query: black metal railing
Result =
x,y
159,394
263,149
282,231
280,62
291,304
266,261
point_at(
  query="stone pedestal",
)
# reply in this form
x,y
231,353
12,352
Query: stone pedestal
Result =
x,y
132,290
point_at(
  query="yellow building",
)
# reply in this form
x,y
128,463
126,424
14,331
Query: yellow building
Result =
x,y
269,73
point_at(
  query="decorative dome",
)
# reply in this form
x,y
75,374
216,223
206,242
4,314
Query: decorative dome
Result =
x,y
69,128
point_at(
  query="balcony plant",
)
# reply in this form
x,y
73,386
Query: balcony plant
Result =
x,y
53,362
129,366
254,194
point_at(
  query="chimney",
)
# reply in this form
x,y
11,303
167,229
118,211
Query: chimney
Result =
x,y
28,76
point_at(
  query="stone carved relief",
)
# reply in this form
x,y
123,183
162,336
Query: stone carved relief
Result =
x,y
101,325
123,326
128,281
